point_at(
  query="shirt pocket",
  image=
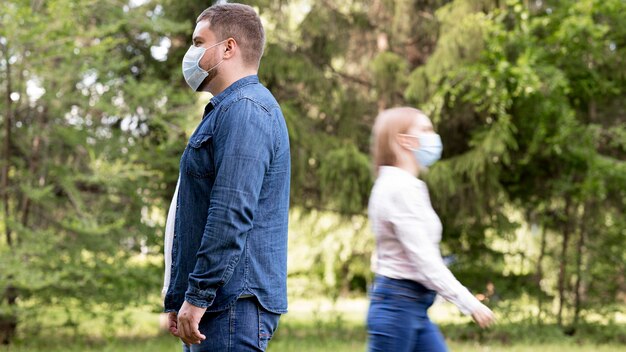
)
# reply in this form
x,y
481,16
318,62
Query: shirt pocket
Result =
x,y
199,156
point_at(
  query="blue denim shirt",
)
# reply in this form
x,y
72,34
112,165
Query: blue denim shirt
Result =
x,y
230,236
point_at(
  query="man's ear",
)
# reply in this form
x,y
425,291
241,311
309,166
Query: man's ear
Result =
x,y
230,48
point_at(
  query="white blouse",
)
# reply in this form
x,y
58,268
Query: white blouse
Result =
x,y
408,232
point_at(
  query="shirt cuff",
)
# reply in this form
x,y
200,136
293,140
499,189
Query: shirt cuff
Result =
x,y
469,304
200,298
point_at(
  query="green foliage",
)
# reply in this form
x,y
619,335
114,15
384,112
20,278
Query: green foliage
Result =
x,y
528,98
346,178
389,72
328,254
522,123
87,123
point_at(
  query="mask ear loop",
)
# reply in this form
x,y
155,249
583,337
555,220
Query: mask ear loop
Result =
x,y
405,135
207,49
212,68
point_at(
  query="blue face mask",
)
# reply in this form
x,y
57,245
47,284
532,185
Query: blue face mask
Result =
x,y
429,150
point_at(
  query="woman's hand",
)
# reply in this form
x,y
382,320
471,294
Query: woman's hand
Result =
x,y
483,316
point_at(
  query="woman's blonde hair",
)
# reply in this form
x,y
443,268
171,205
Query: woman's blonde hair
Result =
x,y
389,123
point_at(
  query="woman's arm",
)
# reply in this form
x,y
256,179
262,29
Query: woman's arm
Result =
x,y
411,224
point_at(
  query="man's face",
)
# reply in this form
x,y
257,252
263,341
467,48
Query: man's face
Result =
x,y
204,37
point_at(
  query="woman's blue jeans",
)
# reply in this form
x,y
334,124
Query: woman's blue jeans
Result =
x,y
397,320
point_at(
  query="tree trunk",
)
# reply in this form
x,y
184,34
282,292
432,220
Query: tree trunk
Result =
x,y
563,262
579,261
383,44
8,322
33,166
539,273
8,120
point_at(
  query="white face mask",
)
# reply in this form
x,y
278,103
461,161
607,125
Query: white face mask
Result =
x,y
193,73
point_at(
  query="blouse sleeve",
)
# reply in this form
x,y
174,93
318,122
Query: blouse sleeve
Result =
x,y
410,223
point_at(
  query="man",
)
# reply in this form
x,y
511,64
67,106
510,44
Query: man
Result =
x,y
227,285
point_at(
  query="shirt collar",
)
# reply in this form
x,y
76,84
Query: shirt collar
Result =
x,y
252,79
393,171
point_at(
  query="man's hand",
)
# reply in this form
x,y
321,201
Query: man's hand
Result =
x,y
172,323
483,316
188,321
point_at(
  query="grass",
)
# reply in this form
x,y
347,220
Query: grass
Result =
x,y
164,343
311,325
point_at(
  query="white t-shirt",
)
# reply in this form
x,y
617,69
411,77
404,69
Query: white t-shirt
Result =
x,y
169,238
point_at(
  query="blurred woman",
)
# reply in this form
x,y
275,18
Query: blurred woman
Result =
x,y
408,265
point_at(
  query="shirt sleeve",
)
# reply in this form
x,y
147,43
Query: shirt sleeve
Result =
x,y
410,223
243,142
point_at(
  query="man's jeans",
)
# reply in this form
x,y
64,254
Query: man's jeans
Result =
x,y
397,319
246,326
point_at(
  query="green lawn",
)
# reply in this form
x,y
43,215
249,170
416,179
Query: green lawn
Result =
x,y
164,343
311,326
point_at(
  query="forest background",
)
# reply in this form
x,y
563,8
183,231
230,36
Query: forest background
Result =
x,y
528,97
